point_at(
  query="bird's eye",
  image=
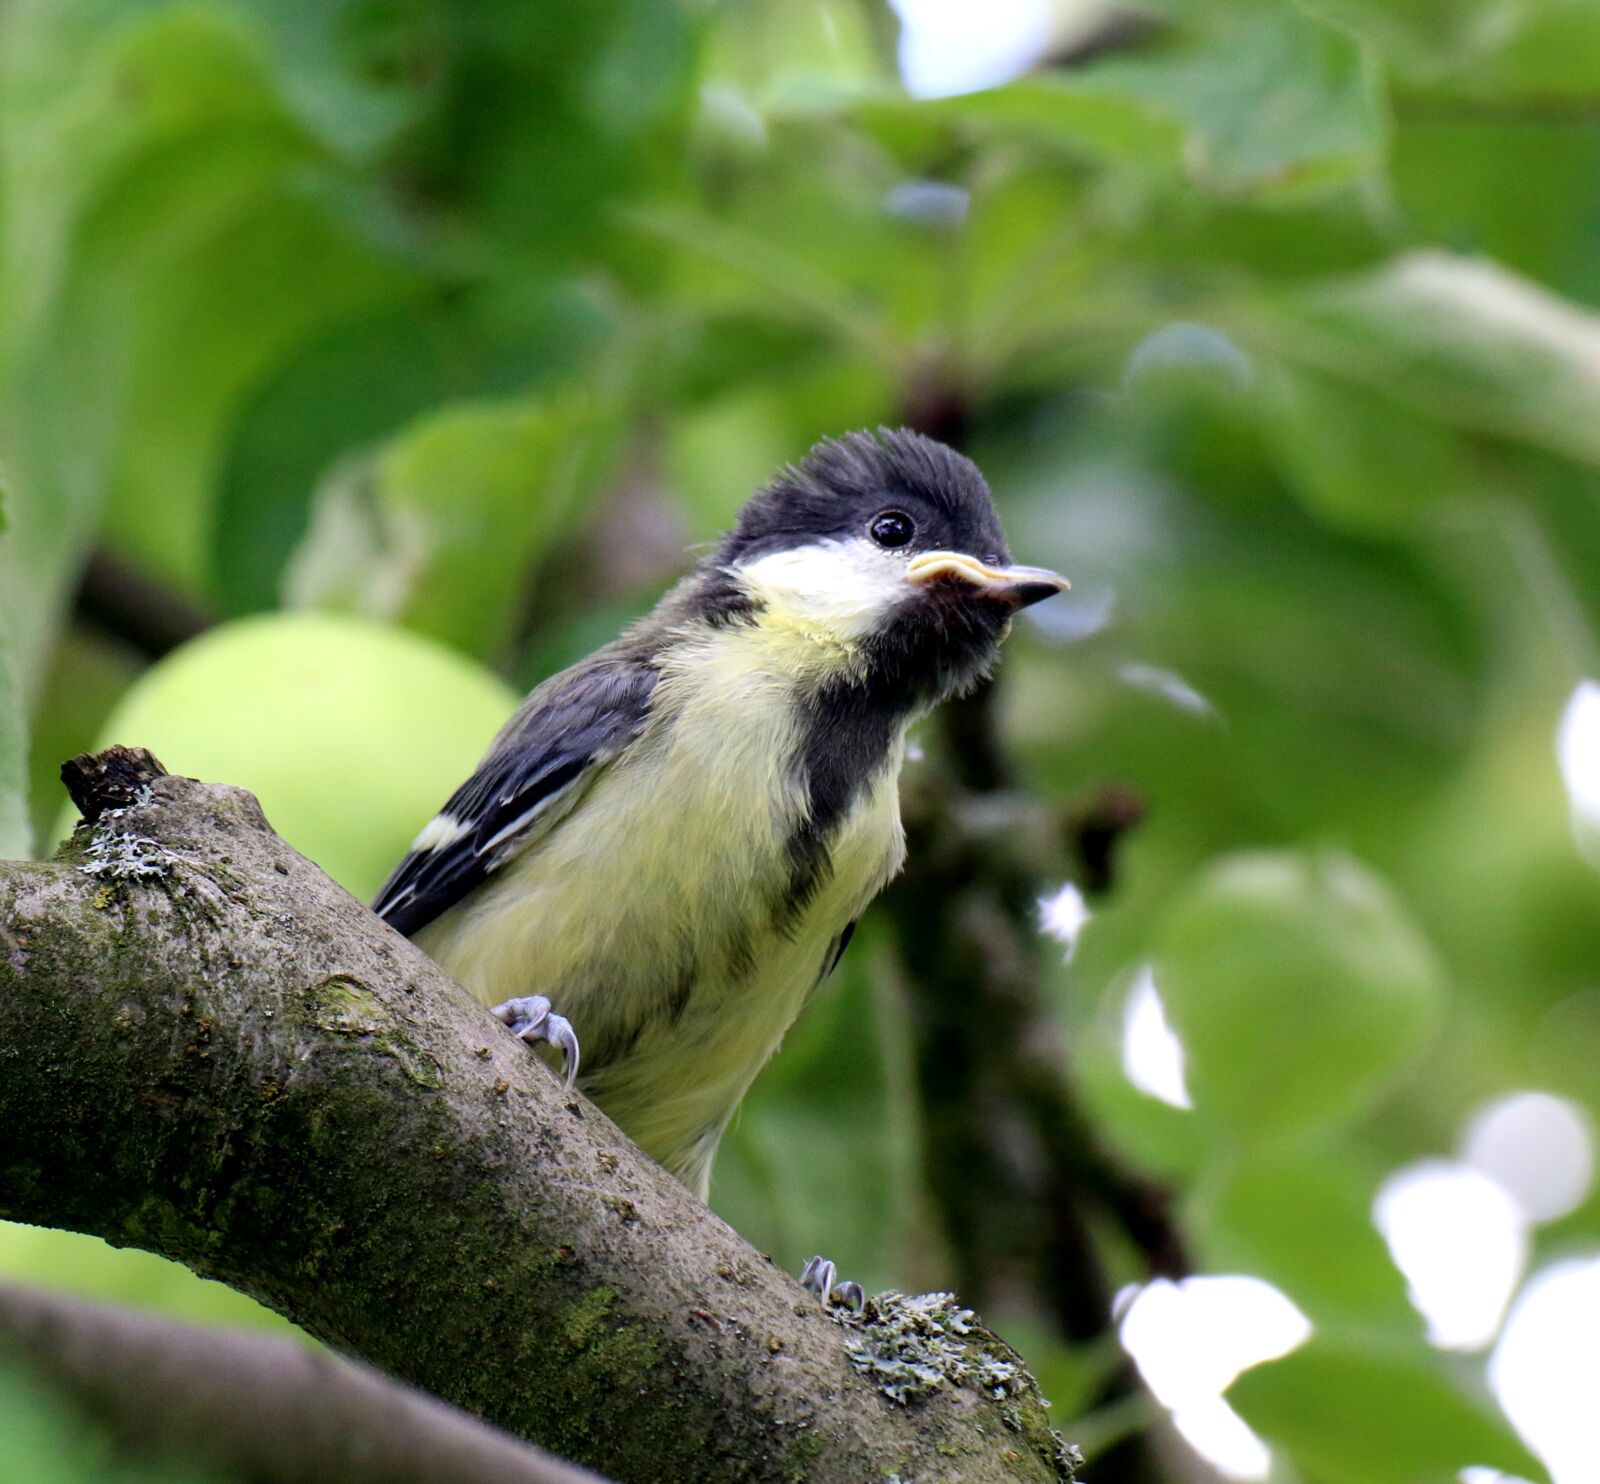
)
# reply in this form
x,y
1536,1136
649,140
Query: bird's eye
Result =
x,y
892,528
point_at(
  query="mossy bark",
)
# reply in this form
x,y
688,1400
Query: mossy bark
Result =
x,y
209,1050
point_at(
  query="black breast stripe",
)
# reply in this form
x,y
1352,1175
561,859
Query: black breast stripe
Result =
x,y
847,731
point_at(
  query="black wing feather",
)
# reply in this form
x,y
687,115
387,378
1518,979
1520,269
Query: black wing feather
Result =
x,y
574,722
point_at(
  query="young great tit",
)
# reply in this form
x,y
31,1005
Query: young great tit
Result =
x,y
670,843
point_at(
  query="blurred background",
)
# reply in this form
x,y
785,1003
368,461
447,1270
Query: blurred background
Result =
x,y
1233,1041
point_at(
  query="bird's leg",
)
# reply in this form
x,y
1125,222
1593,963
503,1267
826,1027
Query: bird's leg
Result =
x,y
531,1019
819,1276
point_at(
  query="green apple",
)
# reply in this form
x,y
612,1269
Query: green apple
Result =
x,y
351,733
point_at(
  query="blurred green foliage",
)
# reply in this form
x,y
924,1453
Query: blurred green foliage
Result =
x,y
1278,330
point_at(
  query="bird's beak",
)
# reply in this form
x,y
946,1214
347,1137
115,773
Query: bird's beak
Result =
x,y
1016,586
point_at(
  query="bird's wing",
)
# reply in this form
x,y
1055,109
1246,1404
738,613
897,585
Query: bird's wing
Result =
x,y
543,759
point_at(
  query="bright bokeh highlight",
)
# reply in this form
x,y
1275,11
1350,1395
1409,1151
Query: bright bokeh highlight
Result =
x,y
1192,1339
953,46
1152,1054
1224,1439
1461,1240
1539,1147
1063,915
1578,753
1546,1368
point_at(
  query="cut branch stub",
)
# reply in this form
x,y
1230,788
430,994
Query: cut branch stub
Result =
x,y
99,781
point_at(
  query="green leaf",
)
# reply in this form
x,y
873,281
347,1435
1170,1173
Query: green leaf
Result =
x,y
785,277
1278,101
720,452
1427,38
1463,341
228,317
1363,462
1299,987
1485,181
16,835
89,91
356,385
440,529
794,55
715,354
1549,57
160,209
357,74
1271,103
1305,1225
547,117
1056,109
1347,1411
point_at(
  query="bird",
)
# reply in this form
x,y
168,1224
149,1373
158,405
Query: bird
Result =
x,y
666,849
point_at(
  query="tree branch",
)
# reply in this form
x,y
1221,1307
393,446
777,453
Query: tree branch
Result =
x,y
1019,1177
119,598
209,1050
262,1407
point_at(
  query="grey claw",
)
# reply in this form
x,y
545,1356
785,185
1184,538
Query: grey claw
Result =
x,y
819,1275
531,1019
560,1034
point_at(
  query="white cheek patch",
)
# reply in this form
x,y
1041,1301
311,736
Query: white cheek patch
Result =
x,y
439,833
841,587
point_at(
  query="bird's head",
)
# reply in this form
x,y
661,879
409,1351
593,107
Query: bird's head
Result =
x,y
887,546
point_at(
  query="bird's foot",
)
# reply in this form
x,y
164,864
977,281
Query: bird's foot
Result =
x,y
531,1019
820,1276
